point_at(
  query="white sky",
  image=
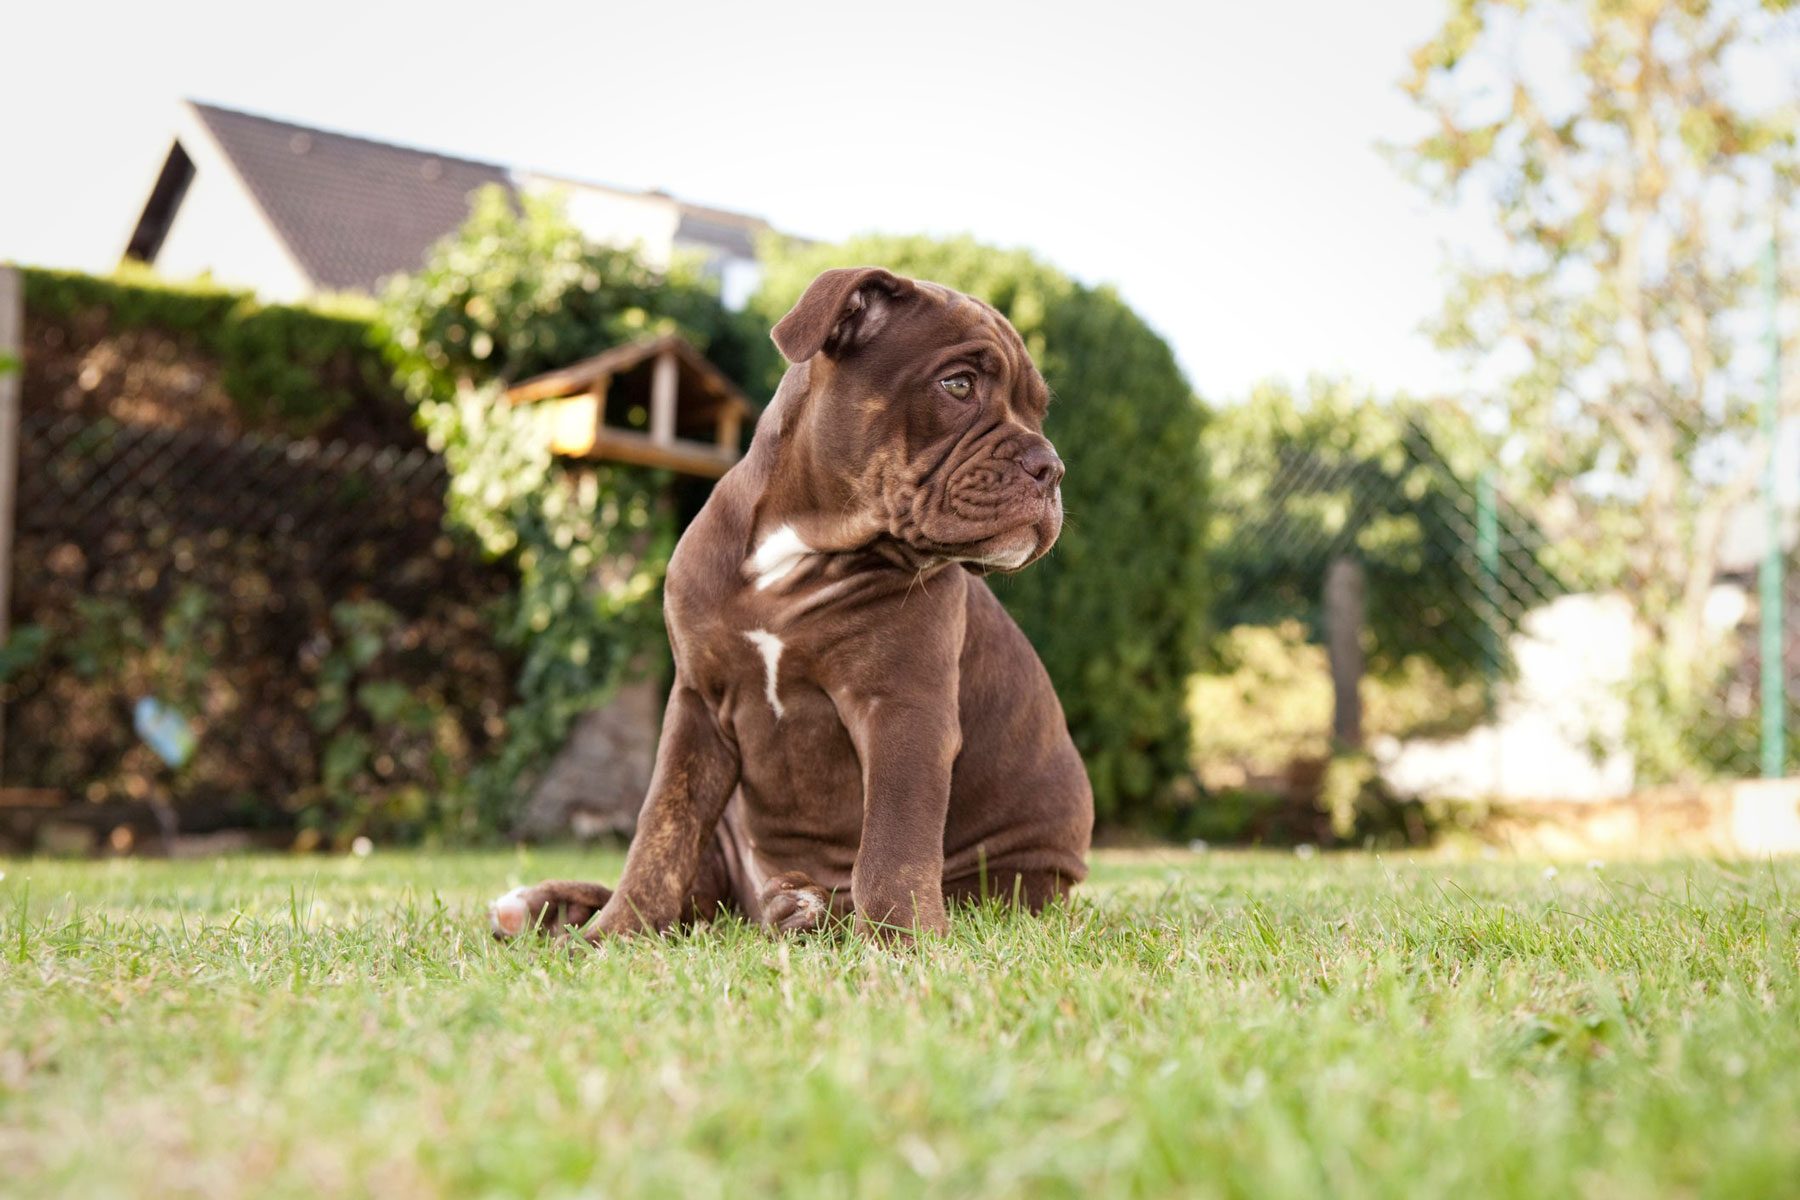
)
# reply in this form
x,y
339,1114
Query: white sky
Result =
x,y
1216,161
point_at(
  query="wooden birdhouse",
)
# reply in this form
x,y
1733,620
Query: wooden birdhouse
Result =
x,y
656,402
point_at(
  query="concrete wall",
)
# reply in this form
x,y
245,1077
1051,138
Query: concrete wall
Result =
x,y
1573,657
1753,818
596,784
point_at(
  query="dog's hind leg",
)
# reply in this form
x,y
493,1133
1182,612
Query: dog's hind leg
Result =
x,y
557,904
546,907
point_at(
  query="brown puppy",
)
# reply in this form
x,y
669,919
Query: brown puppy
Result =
x,y
856,724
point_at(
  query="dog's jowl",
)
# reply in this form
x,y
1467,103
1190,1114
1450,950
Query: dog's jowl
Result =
x,y
856,725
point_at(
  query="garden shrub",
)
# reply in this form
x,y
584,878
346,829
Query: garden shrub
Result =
x,y
287,369
1117,610
1265,703
510,294
333,718
1263,753
518,291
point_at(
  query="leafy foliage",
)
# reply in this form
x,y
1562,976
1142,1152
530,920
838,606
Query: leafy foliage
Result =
x,y
1117,610
1266,705
590,547
1302,480
23,649
506,296
277,694
1263,749
287,368
110,652
392,753
517,292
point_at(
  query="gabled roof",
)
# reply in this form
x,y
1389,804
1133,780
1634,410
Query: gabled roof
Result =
x,y
352,211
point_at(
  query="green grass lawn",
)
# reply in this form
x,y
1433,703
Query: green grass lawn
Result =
x,y
1239,1025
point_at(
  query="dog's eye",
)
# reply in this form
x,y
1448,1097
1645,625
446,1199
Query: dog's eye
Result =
x,y
958,385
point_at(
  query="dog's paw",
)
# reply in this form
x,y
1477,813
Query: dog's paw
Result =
x,y
547,907
510,915
793,903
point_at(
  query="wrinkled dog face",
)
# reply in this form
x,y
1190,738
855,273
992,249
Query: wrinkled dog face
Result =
x,y
927,403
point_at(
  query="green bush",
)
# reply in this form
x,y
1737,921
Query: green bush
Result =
x,y
133,298
287,368
510,294
391,753
300,367
1263,752
1300,480
1265,703
1117,610
516,292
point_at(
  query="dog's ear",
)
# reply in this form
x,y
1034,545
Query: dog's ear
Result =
x,y
842,309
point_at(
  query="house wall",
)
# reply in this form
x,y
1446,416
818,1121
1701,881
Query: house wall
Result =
x,y
1573,658
648,223
218,232
624,219
738,280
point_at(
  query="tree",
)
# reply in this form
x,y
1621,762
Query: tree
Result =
x,y
1629,187
1118,608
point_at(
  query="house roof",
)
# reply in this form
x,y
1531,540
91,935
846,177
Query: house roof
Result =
x,y
352,211
734,233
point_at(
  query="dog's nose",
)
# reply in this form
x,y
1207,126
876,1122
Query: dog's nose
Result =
x,y
1042,464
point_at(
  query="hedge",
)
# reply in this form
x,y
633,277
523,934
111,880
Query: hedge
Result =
x,y
1117,610
287,368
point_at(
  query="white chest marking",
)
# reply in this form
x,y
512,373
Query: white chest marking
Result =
x,y
770,646
776,555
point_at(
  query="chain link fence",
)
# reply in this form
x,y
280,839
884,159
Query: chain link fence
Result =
x,y
299,609
1382,595
291,612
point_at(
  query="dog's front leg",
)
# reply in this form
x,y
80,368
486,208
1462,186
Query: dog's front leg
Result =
x,y
907,750
696,770
897,695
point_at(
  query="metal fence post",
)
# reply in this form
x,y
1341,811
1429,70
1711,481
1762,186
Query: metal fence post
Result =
x,y
1345,604
1774,699
1487,553
12,366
